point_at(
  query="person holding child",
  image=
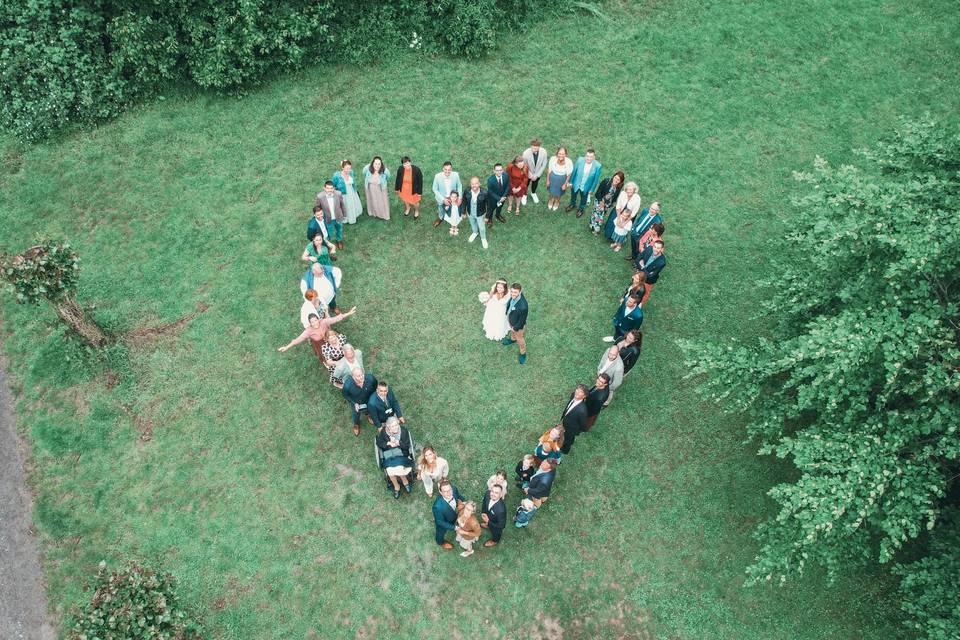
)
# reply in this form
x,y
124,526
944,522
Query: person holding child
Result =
x,y
468,528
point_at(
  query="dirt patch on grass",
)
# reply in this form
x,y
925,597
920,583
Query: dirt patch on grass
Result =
x,y
143,425
145,335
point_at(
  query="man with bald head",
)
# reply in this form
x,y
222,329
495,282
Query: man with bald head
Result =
x,y
612,365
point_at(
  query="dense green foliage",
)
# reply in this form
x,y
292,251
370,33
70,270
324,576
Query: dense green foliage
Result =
x,y
47,271
861,387
254,493
135,603
929,586
83,61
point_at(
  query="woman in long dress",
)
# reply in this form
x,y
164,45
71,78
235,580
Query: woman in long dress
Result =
x,y
495,325
345,182
375,177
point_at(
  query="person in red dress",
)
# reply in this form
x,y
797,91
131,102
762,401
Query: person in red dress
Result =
x,y
517,172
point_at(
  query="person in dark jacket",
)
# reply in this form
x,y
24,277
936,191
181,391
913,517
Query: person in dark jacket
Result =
x,y
574,419
476,203
445,512
596,398
629,316
517,319
357,389
493,515
409,186
630,349
542,482
498,186
383,404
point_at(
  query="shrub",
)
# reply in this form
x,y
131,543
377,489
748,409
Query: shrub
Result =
x,y
928,587
84,61
133,603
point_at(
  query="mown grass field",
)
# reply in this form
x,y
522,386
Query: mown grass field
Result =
x,y
253,491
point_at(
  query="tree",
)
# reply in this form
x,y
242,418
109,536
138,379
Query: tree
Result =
x,y
858,385
49,271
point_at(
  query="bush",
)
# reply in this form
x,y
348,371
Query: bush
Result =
x,y
928,587
85,61
133,603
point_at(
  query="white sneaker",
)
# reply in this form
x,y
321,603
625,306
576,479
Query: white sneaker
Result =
x,y
472,237
608,339
483,241
536,200
523,200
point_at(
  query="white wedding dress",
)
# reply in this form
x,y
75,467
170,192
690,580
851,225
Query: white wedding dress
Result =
x,y
495,318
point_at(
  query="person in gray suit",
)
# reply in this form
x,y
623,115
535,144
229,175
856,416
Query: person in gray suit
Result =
x,y
334,210
443,183
536,160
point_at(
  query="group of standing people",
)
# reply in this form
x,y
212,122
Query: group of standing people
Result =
x,y
616,212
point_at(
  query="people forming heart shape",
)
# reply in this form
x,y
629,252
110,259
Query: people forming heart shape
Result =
x,y
616,213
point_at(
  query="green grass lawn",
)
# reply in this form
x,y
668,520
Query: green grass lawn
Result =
x,y
254,492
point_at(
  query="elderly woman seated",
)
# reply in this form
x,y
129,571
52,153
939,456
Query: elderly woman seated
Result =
x,y
396,457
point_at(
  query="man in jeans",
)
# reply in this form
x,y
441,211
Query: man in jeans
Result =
x,y
476,202
536,160
583,181
357,389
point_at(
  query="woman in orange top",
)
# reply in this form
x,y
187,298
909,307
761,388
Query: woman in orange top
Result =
x,y
517,172
409,186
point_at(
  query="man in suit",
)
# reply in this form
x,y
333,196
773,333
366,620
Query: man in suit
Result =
x,y
652,261
583,180
383,404
357,389
536,160
445,512
574,418
476,202
334,212
316,225
443,183
628,316
641,224
612,365
597,399
498,186
517,320
493,515
541,483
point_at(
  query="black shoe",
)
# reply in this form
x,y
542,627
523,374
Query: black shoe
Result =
x,y
579,212
627,258
569,207
396,494
501,218
407,487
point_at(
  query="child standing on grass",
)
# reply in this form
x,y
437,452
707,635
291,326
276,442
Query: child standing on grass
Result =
x,y
525,470
499,479
621,229
451,213
468,527
524,513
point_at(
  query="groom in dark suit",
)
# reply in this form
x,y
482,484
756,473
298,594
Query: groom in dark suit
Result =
x,y
517,319
445,512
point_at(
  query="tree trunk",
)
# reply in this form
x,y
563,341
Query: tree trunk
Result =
x,y
73,314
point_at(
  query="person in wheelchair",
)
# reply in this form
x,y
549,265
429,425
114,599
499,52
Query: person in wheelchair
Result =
x,y
395,454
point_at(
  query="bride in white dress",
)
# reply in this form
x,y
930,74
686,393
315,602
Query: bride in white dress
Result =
x,y
495,317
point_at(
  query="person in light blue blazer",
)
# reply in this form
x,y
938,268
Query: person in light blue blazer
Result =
x,y
443,183
583,181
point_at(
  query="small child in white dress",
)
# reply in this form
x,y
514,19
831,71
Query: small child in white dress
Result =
x,y
621,229
452,213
